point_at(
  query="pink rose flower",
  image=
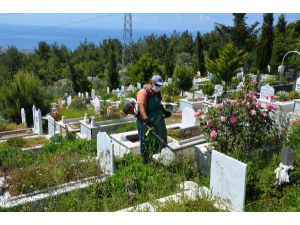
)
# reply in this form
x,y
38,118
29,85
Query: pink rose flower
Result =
x,y
272,97
264,114
213,134
253,112
219,106
258,105
209,123
270,106
198,113
233,119
244,102
223,119
254,98
233,102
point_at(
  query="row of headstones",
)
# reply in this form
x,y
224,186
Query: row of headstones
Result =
x,y
37,119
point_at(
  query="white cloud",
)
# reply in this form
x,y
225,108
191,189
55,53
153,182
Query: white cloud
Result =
x,y
205,19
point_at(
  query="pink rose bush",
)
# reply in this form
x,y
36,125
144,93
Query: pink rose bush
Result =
x,y
239,124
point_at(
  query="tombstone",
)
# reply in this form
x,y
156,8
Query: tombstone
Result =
x,y
105,153
266,90
130,88
170,80
86,118
86,95
53,107
51,126
96,102
37,122
290,72
218,90
228,178
93,94
79,94
269,68
122,88
82,95
297,107
107,90
287,163
33,111
23,117
138,85
93,121
297,86
240,86
188,118
69,100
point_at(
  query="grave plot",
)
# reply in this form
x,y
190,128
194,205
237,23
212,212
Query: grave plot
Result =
x,y
27,143
132,183
59,165
89,130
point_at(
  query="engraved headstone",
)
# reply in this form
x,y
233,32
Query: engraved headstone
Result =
x,y
107,90
37,122
93,94
188,117
69,100
79,95
218,90
122,88
23,116
266,90
51,126
105,153
170,80
228,180
297,107
288,157
138,85
297,87
86,95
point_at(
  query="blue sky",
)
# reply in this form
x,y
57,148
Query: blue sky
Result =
x,y
150,21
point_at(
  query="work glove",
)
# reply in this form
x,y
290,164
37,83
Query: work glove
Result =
x,y
148,122
167,113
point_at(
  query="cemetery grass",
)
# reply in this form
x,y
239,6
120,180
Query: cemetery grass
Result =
x,y
10,126
133,183
70,113
262,192
24,142
58,162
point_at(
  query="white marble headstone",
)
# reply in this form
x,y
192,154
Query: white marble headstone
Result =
x,y
96,102
188,117
297,87
33,111
86,95
79,94
51,126
93,94
37,122
107,90
228,178
170,80
122,88
69,100
218,90
23,116
138,85
105,153
266,90
297,107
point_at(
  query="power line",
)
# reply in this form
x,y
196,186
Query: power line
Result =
x,y
60,25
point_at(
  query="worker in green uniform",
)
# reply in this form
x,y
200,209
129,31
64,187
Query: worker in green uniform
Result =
x,y
151,115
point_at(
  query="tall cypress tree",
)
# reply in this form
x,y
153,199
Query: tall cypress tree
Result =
x,y
200,54
264,47
239,30
112,71
170,59
280,46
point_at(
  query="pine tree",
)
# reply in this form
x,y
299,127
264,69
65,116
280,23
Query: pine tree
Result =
x,y
112,70
227,65
264,47
200,54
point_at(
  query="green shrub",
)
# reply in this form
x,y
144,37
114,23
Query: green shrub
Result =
x,y
282,96
22,92
110,96
208,89
77,104
293,95
293,139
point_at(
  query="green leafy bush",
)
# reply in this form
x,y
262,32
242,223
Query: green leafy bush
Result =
x,y
293,95
282,96
110,96
208,89
77,104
